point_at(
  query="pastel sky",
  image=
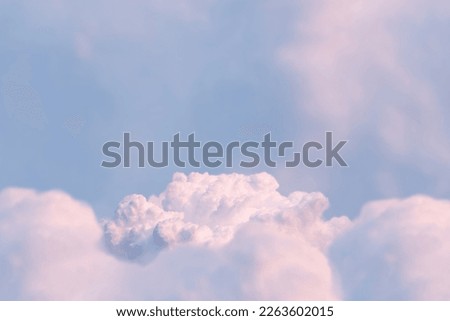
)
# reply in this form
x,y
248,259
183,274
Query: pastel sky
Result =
x,y
74,75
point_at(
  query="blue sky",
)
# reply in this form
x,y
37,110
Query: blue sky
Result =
x,y
211,68
173,74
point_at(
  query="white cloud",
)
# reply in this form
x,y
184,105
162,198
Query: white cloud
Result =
x,y
397,249
254,238
50,248
222,237
205,237
208,209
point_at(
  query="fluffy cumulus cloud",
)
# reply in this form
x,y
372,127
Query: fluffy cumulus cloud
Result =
x,y
49,248
397,249
222,237
202,209
205,237
256,238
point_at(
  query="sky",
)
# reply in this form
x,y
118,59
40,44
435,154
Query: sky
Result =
x,y
76,75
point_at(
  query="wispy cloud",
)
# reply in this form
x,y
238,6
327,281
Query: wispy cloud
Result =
x,y
360,69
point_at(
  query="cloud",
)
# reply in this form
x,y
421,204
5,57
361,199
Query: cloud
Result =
x,y
259,263
252,237
364,69
209,209
222,237
397,250
50,248
204,237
